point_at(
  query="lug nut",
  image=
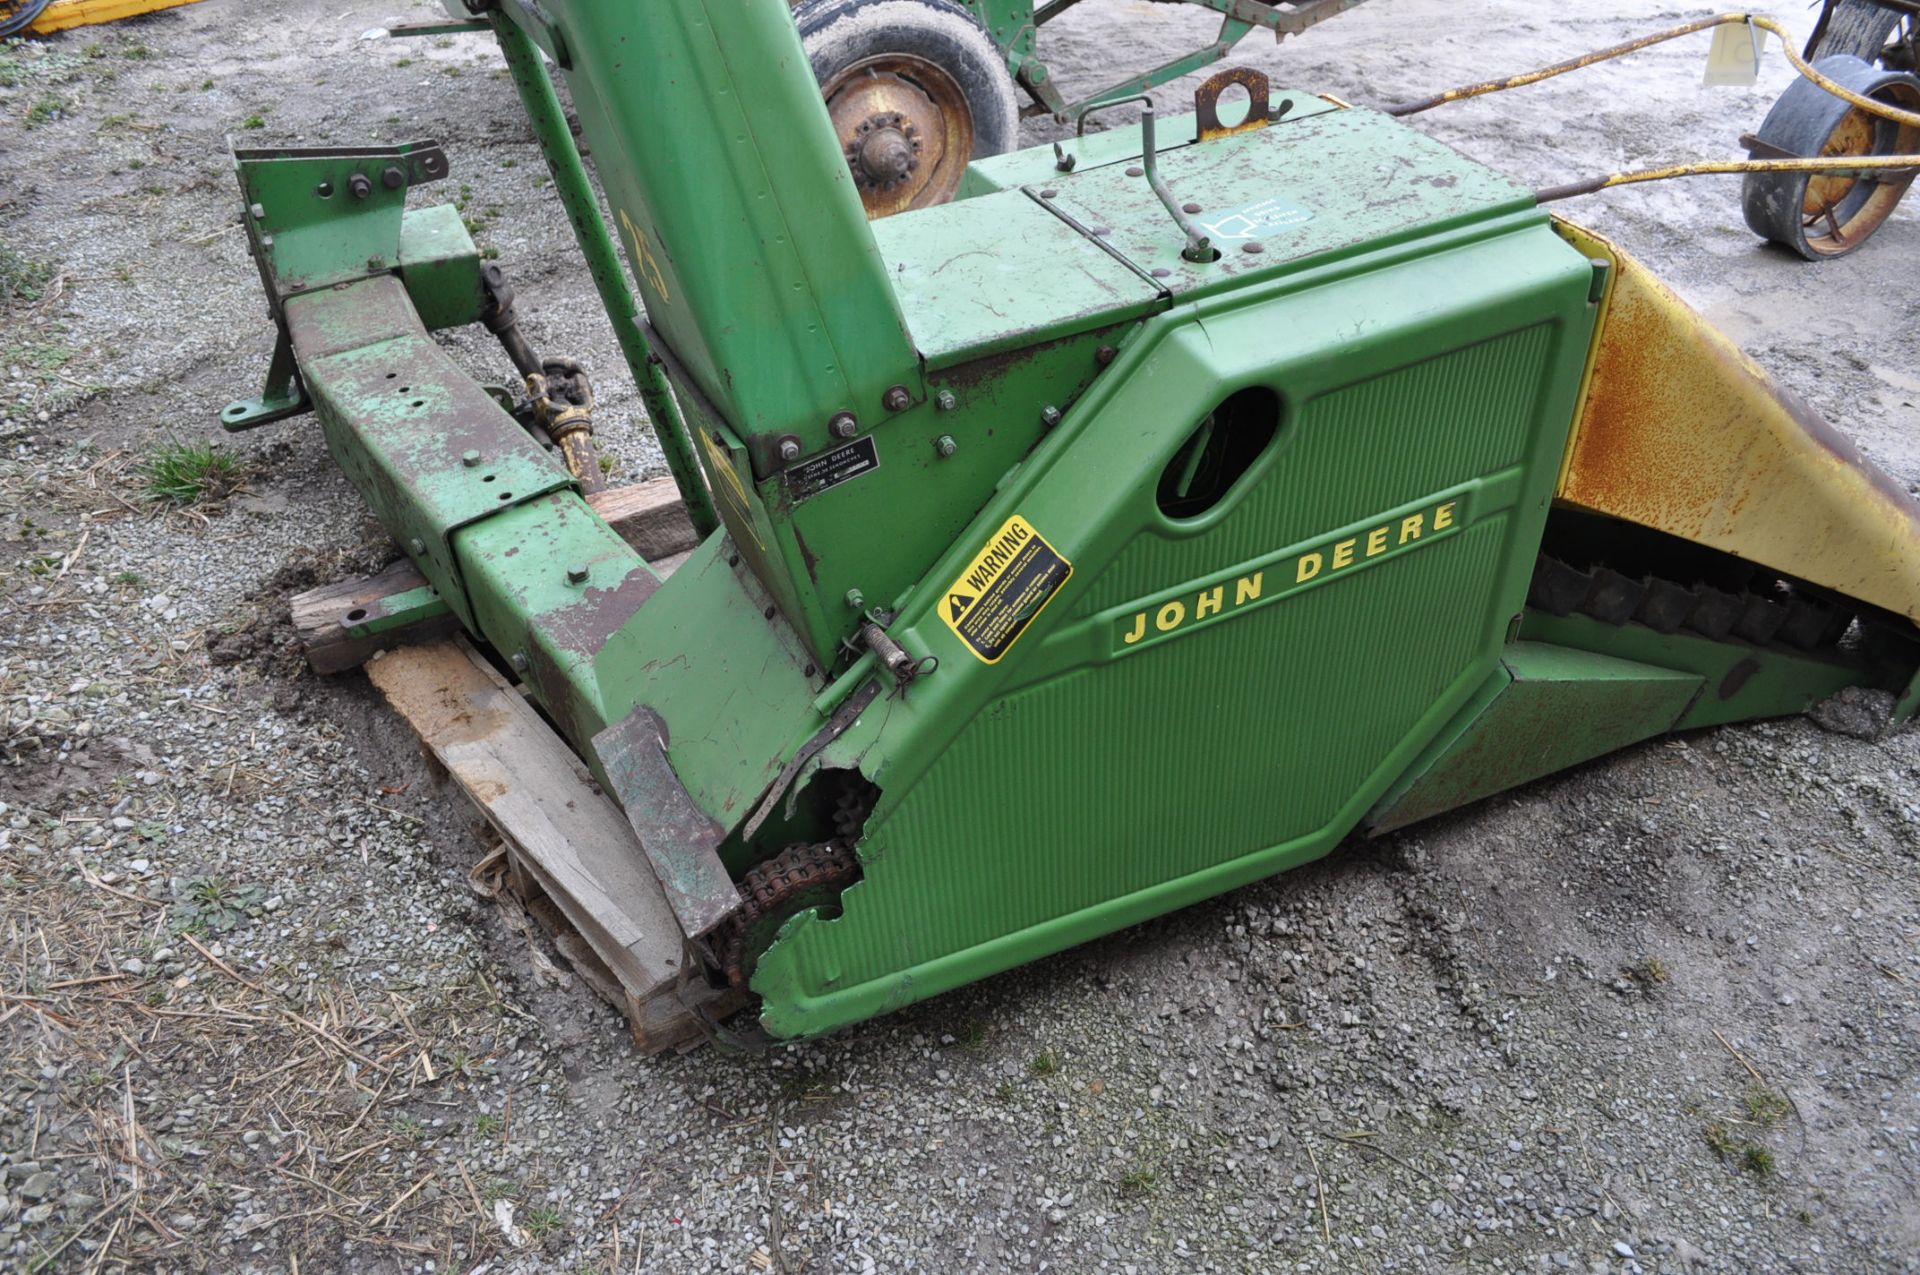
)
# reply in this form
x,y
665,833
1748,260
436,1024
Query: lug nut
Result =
x,y
577,573
789,450
359,186
945,445
898,399
843,425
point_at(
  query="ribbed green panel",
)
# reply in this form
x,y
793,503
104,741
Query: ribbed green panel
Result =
x,y
1047,837
1476,408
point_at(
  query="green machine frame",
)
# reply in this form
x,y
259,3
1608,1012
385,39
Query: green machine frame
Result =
x,y
1127,530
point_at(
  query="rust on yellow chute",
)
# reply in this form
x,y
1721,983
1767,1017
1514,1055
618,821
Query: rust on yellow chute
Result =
x,y
1680,431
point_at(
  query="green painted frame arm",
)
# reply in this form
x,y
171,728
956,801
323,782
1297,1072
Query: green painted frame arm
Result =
x,y
603,262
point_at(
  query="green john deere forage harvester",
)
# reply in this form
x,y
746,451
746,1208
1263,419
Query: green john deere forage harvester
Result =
x,y
1138,525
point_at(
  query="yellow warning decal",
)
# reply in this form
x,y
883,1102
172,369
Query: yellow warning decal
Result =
x,y
1006,585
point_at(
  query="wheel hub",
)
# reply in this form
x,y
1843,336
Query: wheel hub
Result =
x,y
905,130
884,152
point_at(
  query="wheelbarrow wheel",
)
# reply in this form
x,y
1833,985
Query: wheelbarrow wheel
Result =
x,y
1869,31
916,89
1822,215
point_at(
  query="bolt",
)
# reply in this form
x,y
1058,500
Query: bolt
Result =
x,y
1253,246
416,546
324,190
577,573
856,599
469,458
897,399
1134,170
520,661
1190,208
1161,272
945,445
1050,415
359,186
392,178
257,211
946,401
843,425
1105,355
789,450
1048,194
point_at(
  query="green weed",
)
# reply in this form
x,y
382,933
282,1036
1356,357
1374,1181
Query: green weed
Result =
x,y
1765,1107
45,111
183,473
1045,1063
21,277
542,1221
211,905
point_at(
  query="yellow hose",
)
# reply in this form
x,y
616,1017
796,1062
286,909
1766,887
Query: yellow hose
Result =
x,y
1837,163
1818,164
1800,64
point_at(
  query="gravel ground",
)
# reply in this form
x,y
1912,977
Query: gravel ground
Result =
x,y
1660,1014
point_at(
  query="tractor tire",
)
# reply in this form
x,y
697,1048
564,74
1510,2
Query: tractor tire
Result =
x,y
1864,30
916,89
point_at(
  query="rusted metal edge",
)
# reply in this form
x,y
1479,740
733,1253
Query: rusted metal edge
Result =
x,y
682,842
837,725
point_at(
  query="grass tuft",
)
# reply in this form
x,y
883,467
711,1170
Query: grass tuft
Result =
x,y
1765,1107
184,473
1045,1063
1756,1158
542,1221
21,277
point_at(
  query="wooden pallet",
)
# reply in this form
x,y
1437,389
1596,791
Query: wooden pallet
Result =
x,y
572,860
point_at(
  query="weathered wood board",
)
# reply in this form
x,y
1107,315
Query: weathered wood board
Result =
x,y
568,843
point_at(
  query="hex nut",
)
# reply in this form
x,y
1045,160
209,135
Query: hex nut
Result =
x,y
359,186
946,401
577,573
945,445
843,425
789,450
897,399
